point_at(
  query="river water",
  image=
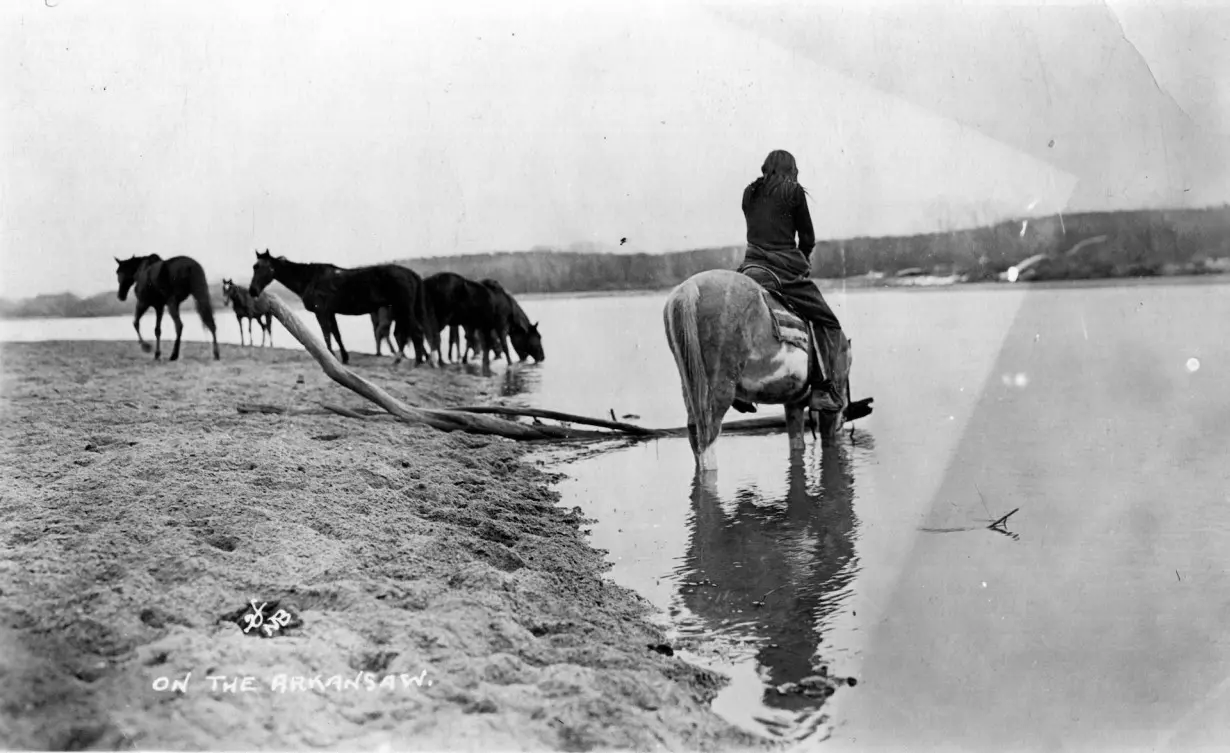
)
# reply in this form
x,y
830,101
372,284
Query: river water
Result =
x,y
1099,413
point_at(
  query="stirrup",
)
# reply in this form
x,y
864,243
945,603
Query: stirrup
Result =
x,y
743,406
823,398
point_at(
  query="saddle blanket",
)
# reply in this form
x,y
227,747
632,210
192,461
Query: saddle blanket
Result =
x,y
787,326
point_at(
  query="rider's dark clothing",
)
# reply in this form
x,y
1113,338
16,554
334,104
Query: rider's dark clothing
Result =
x,y
773,219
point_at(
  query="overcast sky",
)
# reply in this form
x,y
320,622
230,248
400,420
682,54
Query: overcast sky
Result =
x,y
362,132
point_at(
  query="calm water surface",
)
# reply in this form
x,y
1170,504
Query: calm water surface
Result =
x,y
1102,414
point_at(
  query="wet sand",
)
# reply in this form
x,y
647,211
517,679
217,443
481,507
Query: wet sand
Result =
x,y
437,596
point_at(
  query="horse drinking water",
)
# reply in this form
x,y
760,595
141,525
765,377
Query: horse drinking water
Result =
x,y
457,302
247,307
731,338
164,285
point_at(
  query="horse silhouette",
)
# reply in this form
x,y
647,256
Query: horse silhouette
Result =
x,y
729,338
328,290
165,284
247,307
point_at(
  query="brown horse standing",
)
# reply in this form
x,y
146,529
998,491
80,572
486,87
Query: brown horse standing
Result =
x,y
164,285
247,307
328,290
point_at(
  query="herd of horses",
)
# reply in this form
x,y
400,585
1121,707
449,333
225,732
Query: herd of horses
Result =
x,y
396,298
723,328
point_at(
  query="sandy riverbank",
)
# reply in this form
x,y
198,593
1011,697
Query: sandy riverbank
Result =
x,y
139,509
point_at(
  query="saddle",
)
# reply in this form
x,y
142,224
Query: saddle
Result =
x,y
788,326
792,329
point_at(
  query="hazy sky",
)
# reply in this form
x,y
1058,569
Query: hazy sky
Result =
x,y
361,132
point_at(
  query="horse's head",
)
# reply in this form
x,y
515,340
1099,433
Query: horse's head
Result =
x,y
126,273
263,272
528,343
228,291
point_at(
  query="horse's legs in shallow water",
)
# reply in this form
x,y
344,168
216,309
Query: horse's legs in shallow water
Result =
x,y
502,339
796,421
173,310
157,332
704,443
485,344
136,324
239,320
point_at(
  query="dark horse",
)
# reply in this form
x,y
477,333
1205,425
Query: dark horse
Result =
x,y
164,285
526,340
328,290
247,307
459,302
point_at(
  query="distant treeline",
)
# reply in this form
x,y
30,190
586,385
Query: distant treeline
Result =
x,y
1079,246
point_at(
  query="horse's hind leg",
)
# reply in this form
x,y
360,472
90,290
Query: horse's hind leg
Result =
x,y
326,330
157,332
239,321
337,334
705,434
173,310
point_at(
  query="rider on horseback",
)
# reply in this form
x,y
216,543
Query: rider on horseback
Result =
x,y
775,207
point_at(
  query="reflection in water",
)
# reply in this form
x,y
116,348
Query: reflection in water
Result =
x,y
773,574
520,378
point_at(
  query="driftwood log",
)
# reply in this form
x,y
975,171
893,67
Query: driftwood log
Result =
x,y
478,419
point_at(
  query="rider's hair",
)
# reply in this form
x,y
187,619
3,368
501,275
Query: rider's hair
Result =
x,y
778,175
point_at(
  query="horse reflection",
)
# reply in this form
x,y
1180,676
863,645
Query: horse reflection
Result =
x,y
774,573
520,379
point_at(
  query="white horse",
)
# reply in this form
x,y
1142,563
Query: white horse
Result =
x,y
732,340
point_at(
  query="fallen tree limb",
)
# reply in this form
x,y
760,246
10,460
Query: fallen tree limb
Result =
x,y
443,420
348,413
633,429
744,426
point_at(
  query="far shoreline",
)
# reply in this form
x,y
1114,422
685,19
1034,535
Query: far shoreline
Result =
x,y
827,285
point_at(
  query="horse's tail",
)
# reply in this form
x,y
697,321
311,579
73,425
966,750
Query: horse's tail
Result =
x,y
199,287
683,334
